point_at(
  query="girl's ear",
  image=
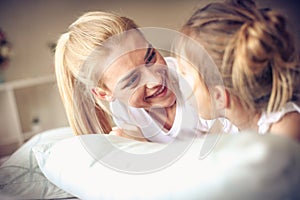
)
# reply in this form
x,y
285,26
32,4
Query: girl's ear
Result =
x,y
103,94
221,97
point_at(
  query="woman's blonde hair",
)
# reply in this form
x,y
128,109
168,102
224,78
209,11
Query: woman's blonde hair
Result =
x,y
86,34
253,50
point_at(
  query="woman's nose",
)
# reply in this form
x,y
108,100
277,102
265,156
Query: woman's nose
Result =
x,y
151,84
152,79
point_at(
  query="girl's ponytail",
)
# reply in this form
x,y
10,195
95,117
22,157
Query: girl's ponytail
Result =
x,y
265,61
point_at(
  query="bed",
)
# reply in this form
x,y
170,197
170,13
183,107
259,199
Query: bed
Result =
x,y
57,165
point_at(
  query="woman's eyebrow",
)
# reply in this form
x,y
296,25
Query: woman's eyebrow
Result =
x,y
149,49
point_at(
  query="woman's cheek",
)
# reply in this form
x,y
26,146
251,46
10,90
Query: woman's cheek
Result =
x,y
136,99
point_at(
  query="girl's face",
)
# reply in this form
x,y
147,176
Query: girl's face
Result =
x,y
140,78
200,92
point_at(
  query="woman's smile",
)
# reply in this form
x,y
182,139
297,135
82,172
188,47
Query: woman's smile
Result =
x,y
160,91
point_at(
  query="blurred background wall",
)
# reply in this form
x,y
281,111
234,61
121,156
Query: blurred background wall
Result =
x,y
32,24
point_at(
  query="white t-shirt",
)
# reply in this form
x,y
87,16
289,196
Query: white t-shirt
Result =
x,y
266,120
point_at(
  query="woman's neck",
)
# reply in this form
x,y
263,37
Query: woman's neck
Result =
x,y
164,116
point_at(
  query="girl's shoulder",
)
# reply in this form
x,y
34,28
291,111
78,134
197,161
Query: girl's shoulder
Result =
x,y
288,125
286,121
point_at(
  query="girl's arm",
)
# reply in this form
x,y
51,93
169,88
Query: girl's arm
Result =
x,y
130,132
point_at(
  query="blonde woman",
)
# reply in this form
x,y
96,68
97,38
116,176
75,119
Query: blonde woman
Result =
x,y
106,68
256,60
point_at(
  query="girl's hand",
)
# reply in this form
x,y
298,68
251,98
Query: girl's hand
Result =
x,y
134,134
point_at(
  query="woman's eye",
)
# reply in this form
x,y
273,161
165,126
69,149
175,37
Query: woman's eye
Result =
x,y
132,80
151,59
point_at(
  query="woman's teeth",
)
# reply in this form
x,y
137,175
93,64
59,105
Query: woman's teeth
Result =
x,y
162,88
159,91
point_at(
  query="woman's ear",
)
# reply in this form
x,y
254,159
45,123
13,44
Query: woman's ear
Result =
x,y
221,97
103,94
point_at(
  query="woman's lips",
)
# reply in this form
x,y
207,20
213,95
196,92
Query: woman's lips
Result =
x,y
159,92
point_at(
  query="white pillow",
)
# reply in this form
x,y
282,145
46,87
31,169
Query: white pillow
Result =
x,y
244,166
20,176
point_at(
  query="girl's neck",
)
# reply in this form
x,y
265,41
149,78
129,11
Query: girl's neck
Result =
x,y
243,118
247,121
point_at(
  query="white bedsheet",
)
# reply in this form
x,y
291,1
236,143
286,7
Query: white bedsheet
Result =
x,y
246,166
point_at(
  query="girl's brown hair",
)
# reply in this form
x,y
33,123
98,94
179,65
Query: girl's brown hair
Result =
x,y
253,50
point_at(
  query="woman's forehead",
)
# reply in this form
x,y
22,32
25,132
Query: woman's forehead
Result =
x,y
124,44
127,41
134,39
123,65
129,45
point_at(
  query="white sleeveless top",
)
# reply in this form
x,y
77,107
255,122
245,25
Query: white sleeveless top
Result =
x,y
266,120
226,125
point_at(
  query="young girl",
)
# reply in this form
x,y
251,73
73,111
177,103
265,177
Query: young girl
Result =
x,y
104,59
256,60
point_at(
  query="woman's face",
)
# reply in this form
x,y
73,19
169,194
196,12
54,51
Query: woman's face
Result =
x,y
200,92
140,78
